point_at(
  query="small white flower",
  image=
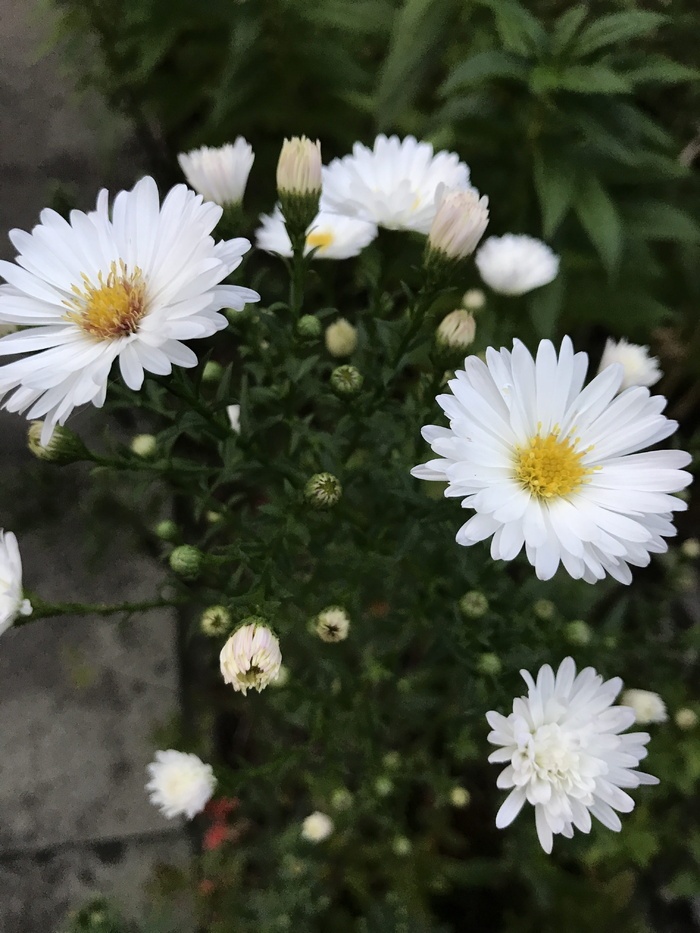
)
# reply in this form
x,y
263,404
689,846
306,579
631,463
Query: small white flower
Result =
x,y
219,174
638,368
460,797
646,705
457,330
341,338
317,827
180,783
333,236
459,224
686,718
514,264
299,167
144,445
333,624
554,467
565,754
251,658
474,299
234,417
130,285
12,601
396,184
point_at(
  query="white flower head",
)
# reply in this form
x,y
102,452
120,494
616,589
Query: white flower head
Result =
x,y
299,167
461,219
514,264
474,299
316,827
638,367
457,330
12,601
234,417
564,753
219,174
333,236
397,184
251,658
341,338
333,624
646,705
129,286
180,783
554,467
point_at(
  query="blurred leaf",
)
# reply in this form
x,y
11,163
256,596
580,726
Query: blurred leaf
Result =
x,y
657,220
599,217
616,28
483,67
519,30
545,306
554,182
566,28
581,79
657,68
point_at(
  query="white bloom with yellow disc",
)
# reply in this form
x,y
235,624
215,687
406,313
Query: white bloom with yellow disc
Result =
x,y
333,236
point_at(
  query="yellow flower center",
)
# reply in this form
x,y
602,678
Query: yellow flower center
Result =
x,y
113,307
550,466
319,239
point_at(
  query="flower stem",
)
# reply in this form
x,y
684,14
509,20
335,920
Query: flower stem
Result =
x,y
42,610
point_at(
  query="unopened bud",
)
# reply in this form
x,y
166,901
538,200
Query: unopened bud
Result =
x,y
186,561
459,224
691,548
216,620
686,718
489,664
299,185
341,338
578,632
346,381
341,799
459,797
401,846
474,604
456,332
474,299
62,448
212,371
323,490
309,327
167,530
144,445
544,610
332,624
383,786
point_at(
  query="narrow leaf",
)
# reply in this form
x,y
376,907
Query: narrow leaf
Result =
x,y
616,28
600,219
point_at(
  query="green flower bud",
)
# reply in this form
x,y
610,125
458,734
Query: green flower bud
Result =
x,y
691,548
64,446
474,604
144,445
212,371
216,620
401,846
578,632
167,530
346,381
489,664
391,760
186,561
383,786
460,797
544,610
341,799
309,327
323,490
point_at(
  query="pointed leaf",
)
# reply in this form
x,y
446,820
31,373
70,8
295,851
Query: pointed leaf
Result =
x,y
616,28
484,66
600,219
555,184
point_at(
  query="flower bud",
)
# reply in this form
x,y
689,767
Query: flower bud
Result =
x,y
167,530
323,490
459,224
474,299
62,448
346,381
391,760
216,620
316,827
251,658
460,797
456,332
212,371
144,445
299,185
544,610
341,799
578,632
383,786
489,664
186,561
686,718
332,624
309,327
341,338
401,846
647,705
691,548
474,604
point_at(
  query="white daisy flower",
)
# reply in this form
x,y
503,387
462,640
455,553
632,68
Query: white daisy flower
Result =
x,y
12,601
251,658
98,288
565,754
646,705
316,827
333,236
514,264
180,784
219,174
397,184
638,367
552,466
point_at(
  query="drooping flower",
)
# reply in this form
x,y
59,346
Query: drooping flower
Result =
x,y
333,236
251,658
316,827
638,367
130,286
554,467
12,601
646,705
180,784
564,753
460,221
219,174
397,184
514,264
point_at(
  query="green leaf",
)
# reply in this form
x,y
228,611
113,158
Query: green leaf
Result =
x,y
599,218
544,305
484,66
519,31
554,179
661,70
616,28
658,220
581,79
566,28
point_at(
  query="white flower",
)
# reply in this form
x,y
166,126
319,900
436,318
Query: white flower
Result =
x,y
474,299
180,784
12,601
459,224
317,827
219,174
565,753
646,706
554,467
332,235
638,368
131,286
396,184
299,167
251,658
515,264
341,338
457,330
234,417
333,624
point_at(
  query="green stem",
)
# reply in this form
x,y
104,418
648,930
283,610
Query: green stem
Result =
x,y
298,278
42,610
194,402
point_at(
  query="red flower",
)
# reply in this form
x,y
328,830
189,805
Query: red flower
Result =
x,y
215,836
219,809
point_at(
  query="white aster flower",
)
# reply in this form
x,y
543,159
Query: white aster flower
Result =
x,y
459,224
130,287
333,624
251,658
552,466
638,368
565,754
646,705
234,417
12,601
219,174
317,827
341,338
333,236
514,264
397,184
180,783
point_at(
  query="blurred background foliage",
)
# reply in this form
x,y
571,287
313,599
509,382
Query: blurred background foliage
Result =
x,y
582,124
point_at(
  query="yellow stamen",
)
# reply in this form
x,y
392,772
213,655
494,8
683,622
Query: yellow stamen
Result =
x,y
548,467
320,239
112,308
